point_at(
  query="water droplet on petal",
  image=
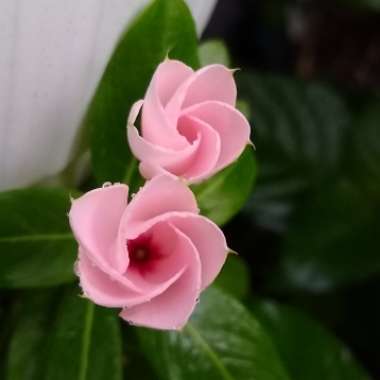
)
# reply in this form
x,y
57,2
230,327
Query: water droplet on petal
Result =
x,y
107,184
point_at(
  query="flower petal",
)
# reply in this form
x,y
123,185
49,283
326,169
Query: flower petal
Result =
x,y
169,75
146,151
156,156
165,263
194,163
160,195
231,125
104,289
150,169
95,219
112,289
209,241
171,309
207,155
213,82
206,236
155,125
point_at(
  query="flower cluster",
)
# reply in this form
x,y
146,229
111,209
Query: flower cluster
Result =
x,y
153,256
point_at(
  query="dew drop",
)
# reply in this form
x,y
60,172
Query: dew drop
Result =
x,y
107,184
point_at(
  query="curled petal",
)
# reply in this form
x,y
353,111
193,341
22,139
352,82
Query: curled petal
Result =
x,y
111,289
209,241
104,289
207,155
160,195
172,309
134,112
231,125
150,169
213,82
146,151
157,157
169,75
194,162
95,219
156,127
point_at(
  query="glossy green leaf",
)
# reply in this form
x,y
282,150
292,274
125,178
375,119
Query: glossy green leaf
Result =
x,y
332,240
136,367
333,234
307,349
85,342
222,342
234,278
27,350
36,245
164,28
214,51
62,336
223,195
298,129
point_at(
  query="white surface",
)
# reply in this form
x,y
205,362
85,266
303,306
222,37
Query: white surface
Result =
x,y
52,55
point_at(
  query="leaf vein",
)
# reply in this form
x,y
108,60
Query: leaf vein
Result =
x,y
197,337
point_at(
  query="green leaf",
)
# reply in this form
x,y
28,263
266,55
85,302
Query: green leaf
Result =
x,y
331,241
35,312
5,321
222,342
85,342
64,337
333,232
308,350
214,51
298,129
165,27
36,245
364,150
136,367
223,195
234,278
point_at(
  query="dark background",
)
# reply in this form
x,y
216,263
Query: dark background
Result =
x,y
336,44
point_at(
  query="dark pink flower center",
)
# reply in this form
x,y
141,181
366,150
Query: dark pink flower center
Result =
x,y
140,254
143,253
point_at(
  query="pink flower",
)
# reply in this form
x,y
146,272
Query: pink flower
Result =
x,y
190,126
151,257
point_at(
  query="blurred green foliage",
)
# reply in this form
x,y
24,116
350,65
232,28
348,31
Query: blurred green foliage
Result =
x,y
308,350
